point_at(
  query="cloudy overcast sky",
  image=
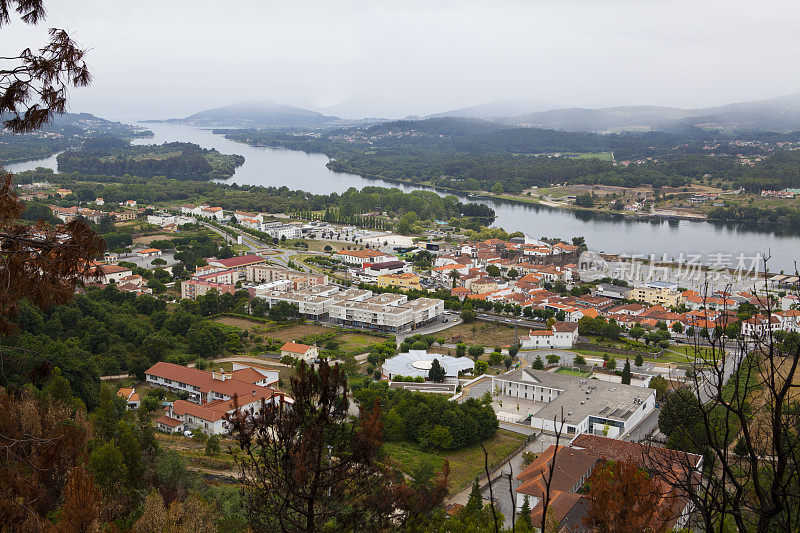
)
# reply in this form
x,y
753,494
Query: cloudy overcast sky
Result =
x,y
160,59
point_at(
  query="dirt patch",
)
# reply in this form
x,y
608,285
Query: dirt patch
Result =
x,y
147,239
241,323
483,333
297,332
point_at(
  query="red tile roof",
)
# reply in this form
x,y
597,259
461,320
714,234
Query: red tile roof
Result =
x,y
203,380
240,260
295,348
171,422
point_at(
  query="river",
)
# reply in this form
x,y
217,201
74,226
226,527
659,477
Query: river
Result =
x,y
298,170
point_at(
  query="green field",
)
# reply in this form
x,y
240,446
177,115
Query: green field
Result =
x,y
465,464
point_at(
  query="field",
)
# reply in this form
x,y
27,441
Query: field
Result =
x,y
483,333
147,239
465,464
349,340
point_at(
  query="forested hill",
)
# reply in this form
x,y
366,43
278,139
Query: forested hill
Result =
x,y
259,114
116,157
65,131
478,155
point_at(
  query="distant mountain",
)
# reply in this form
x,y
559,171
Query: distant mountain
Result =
x,y
259,114
505,108
775,114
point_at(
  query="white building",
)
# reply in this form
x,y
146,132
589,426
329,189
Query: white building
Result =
x,y
417,363
550,401
561,335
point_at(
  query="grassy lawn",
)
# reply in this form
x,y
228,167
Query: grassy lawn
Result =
x,y
465,464
572,372
483,333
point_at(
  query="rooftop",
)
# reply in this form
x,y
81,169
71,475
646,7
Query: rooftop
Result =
x,y
581,397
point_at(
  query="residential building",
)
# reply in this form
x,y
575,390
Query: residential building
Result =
x,y
359,257
268,273
111,273
192,288
657,293
132,400
210,418
561,472
300,351
360,308
239,263
281,230
205,387
561,335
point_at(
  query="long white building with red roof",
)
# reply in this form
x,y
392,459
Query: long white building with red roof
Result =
x,y
212,395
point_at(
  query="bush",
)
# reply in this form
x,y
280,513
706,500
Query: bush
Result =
x,y
212,446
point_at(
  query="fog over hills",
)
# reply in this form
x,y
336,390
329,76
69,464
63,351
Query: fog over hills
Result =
x,y
775,114
259,114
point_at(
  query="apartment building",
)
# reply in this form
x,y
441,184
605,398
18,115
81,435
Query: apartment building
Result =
x,y
657,293
268,274
360,308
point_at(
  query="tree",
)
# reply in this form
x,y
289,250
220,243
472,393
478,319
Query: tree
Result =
x,y
475,500
626,372
538,364
525,513
33,85
493,270
108,468
513,350
461,349
637,332
468,315
660,385
481,367
495,358
677,327
81,508
312,466
579,360
437,372
475,351
454,275
611,363
639,360
622,497
553,359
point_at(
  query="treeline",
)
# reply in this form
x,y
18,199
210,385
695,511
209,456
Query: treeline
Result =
x,y
111,156
778,217
427,205
427,419
108,332
471,155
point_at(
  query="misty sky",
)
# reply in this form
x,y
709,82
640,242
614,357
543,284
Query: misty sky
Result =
x,y
160,59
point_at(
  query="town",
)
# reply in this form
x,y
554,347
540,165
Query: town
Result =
x,y
519,324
